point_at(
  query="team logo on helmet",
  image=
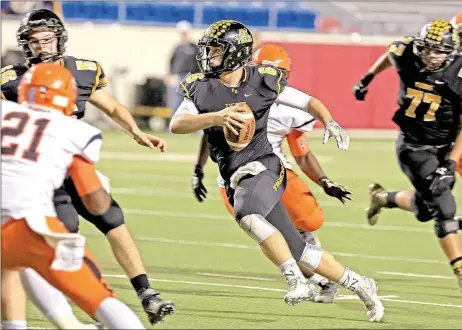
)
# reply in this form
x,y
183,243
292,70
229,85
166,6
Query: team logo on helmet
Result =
x,y
244,37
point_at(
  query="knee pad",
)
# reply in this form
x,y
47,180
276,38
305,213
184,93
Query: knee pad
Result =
x,y
311,256
113,218
257,227
446,227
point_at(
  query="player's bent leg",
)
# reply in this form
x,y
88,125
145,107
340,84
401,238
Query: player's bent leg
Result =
x,y
112,224
301,205
13,301
254,199
51,302
225,200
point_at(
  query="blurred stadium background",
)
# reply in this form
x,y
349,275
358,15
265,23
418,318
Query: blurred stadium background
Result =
x,y
194,252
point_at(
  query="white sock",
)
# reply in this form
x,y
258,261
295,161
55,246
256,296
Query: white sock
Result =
x,y
14,325
318,280
350,280
49,300
113,314
290,270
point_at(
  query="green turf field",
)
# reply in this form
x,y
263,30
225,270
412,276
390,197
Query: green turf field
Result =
x,y
197,255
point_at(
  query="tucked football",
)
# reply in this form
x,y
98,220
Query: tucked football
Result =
x,y
239,142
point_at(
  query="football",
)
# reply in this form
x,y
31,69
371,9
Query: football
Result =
x,y
239,142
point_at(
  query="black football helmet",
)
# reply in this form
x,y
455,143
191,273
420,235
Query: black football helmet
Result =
x,y
235,43
437,45
38,19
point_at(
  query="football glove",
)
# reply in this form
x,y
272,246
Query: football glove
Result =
x,y
335,190
339,133
443,178
197,185
360,89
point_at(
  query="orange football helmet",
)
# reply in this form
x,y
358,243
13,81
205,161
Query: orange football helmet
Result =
x,y
273,55
48,86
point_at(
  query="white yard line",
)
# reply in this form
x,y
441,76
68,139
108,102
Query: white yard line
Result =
x,y
225,215
421,303
440,277
251,278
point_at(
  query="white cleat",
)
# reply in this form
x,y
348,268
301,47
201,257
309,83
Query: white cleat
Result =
x,y
299,291
368,293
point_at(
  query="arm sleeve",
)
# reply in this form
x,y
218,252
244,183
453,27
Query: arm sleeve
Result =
x,y
101,79
297,143
84,176
186,107
86,139
293,98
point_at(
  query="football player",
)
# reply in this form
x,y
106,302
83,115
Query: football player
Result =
x,y
42,38
255,177
40,145
300,203
430,142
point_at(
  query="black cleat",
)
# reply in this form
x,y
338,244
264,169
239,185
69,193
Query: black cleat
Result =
x,y
377,200
156,308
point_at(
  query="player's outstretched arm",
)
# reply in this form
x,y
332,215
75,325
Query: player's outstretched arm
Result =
x,y
122,116
197,185
360,89
456,152
309,164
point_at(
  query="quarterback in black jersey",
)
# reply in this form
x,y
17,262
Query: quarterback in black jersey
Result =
x,y
255,177
430,142
42,38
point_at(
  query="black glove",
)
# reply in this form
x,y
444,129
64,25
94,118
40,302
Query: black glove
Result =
x,y
335,190
197,185
443,178
360,89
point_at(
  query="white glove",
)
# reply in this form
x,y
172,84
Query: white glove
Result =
x,y
337,131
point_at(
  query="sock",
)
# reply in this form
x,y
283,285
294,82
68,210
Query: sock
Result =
x,y
290,270
14,325
140,281
456,265
318,280
49,300
113,314
350,280
391,202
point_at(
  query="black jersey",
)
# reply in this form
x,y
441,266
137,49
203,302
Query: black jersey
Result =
x,y
259,88
429,102
89,76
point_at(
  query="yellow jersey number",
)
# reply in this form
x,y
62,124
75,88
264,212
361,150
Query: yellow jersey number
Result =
x,y
418,97
399,49
86,65
267,70
8,76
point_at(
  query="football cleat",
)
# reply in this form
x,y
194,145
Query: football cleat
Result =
x,y
155,307
299,291
327,294
378,200
368,293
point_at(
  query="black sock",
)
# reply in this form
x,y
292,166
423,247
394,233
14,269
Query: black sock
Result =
x,y
456,265
391,203
140,281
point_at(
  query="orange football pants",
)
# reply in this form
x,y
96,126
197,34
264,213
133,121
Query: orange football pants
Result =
x,y
22,247
302,207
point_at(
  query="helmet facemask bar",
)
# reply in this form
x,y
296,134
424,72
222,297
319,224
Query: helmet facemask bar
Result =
x,y
204,57
51,25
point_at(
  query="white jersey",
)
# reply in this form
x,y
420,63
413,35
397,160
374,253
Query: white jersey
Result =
x,y
37,149
282,119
